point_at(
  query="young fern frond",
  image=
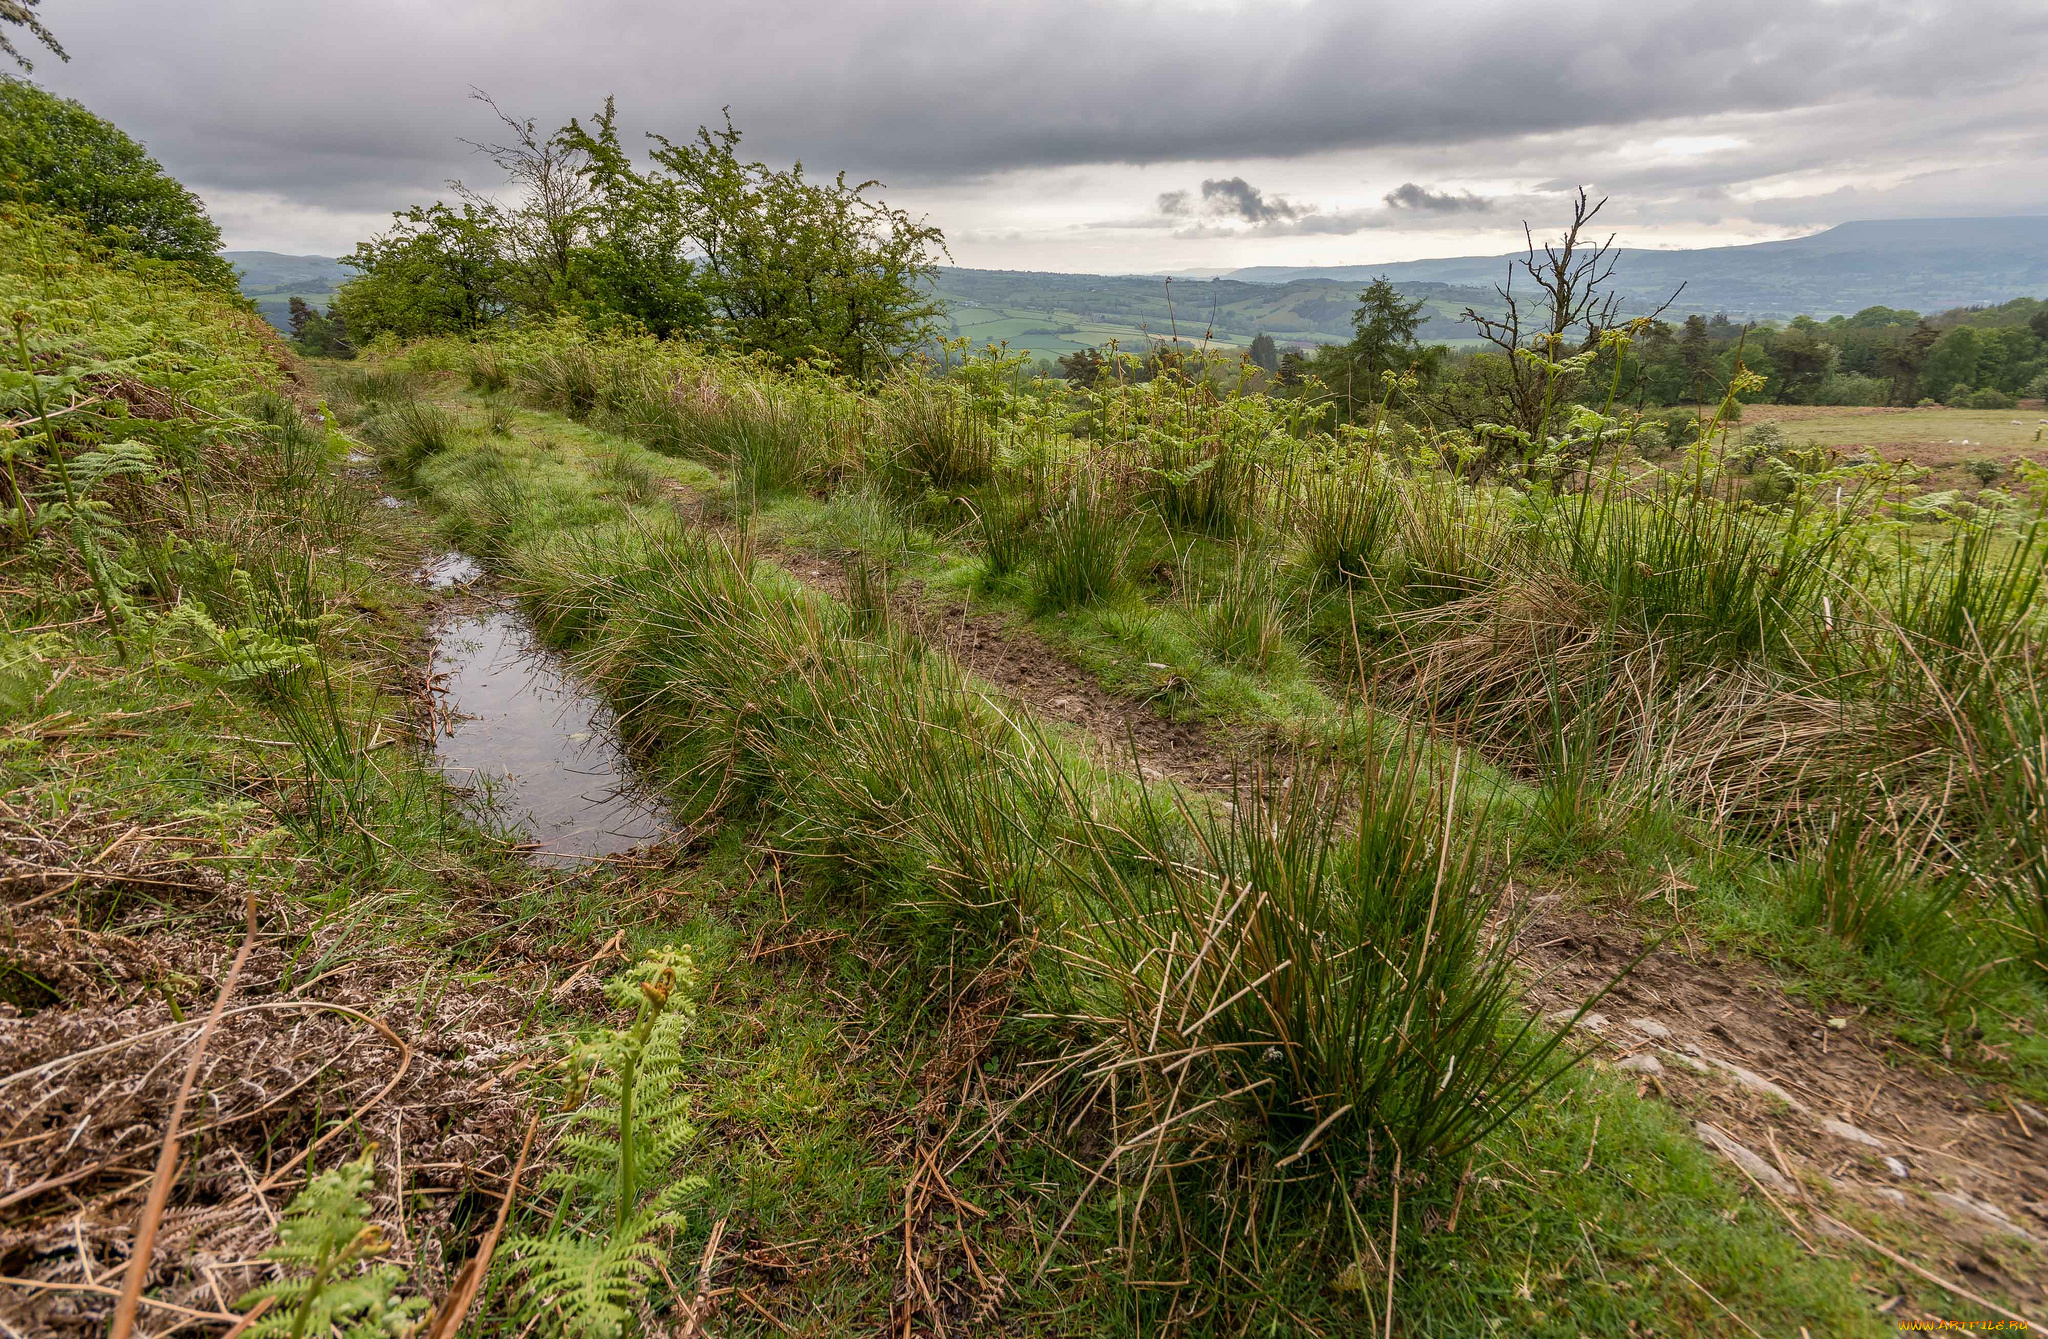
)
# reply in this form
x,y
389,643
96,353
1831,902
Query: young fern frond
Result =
x,y
599,1255
595,1281
325,1242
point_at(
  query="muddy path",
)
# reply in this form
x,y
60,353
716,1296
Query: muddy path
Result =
x,y
1845,1131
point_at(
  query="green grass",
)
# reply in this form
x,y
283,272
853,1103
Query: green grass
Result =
x,y
1581,1254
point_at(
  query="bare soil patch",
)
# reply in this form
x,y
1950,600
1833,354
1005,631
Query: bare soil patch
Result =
x,y
1883,1137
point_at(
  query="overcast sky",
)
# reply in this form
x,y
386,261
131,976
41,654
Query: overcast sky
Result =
x,y
1070,135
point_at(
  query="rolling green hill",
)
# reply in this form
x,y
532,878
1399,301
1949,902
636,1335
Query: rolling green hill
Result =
x,y
271,280
1052,314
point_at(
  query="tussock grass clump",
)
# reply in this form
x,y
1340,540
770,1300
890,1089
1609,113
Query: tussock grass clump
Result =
x,y
1005,546
563,378
930,436
628,474
410,432
1869,883
1716,583
1083,548
1971,606
363,387
867,594
767,440
1240,616
1309,970
1347,521
486,369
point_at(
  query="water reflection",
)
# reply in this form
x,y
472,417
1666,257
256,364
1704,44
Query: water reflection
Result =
x,y
543,749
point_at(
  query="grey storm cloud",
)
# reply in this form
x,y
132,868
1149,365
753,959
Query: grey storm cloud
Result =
x,y
360,106
1236,196
1408,195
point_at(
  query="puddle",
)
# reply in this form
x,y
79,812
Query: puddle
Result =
x,y
542,748
449,570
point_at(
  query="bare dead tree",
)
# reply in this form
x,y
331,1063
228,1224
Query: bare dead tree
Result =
x,y
1578,302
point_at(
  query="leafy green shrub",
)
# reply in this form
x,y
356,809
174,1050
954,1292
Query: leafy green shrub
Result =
x,y
1757,443
1985,470
1851,388
1681,427
1991,398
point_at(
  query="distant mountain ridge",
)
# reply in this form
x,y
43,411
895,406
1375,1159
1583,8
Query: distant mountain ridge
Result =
x,y
1925,264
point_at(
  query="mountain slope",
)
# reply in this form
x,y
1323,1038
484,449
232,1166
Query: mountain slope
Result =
x,y
1923,264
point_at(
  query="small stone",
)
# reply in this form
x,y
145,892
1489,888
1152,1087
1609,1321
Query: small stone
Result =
x,y
1844,1130
1757,1083
1560,1017
1651,1028
1982,1211
1641,1063
1718,1139
1897,1168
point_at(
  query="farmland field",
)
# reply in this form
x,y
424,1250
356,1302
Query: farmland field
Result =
x,y
1942,440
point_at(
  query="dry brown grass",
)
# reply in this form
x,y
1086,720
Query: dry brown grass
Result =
x,y
117,942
